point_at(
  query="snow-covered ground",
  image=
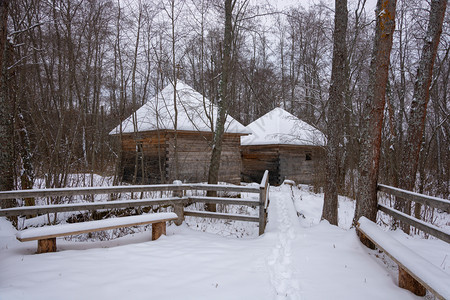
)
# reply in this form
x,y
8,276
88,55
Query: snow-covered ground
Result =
x,y
298,257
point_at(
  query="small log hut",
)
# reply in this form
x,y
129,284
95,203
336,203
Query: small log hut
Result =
x,y
156,149
286,146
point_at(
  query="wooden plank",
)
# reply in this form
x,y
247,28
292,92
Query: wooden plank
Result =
x,y
73,231
86,191
214,215
411,196
219,187
219,200
419,224
121,189
55,208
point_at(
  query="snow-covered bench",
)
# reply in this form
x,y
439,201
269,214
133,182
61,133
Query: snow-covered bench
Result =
x,y
415,273
46,236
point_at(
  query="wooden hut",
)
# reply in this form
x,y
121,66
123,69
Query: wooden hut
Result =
x,y
286,146
166,140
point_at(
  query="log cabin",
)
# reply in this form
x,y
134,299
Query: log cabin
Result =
x,y
286,146
170,138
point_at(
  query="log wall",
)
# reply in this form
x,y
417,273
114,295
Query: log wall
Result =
x,y
152,156
257,159
194,154
299,163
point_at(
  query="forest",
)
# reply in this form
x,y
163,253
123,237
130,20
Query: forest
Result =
x,y
72,70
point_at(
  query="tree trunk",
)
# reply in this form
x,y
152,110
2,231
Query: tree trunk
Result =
x,y
335,102
6,113
418,110
222,105
366,204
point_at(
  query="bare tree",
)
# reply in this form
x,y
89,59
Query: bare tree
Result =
x,y
366,204
223,98
418,109
337,93
6,113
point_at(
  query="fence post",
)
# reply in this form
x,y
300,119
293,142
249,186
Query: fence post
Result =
x,y
178,206
262,197
262,202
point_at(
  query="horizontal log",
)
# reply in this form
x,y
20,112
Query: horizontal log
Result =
x,y
203,214
219,200
56,208
419,198
219,187
419,224
53,192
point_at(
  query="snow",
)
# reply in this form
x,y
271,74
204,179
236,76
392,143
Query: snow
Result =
x,y
193,113
278,127
298,257
438,279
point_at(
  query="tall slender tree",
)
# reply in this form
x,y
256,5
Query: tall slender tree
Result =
x,y
223,99
337,93
6,112
366,204
421,97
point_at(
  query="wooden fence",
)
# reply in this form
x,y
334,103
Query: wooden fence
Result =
x,y
404,195
179,200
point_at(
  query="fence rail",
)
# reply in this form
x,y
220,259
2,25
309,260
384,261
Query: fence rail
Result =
x,y
405,195
178,201
419,198
54,192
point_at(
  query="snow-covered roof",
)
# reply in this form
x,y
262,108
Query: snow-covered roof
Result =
x,y
194,113
278,127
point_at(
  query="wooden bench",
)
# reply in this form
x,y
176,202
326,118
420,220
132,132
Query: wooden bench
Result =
x,y
415,273
46,236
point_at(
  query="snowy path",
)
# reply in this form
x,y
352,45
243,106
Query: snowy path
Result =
x,y
283,216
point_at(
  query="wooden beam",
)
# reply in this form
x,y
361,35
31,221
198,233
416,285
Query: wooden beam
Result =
x,y
419,224
263,194
406,281
158,229
204,214
46,245
87,191
264,180
123,189
45,209
219,187
218,200
419,198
